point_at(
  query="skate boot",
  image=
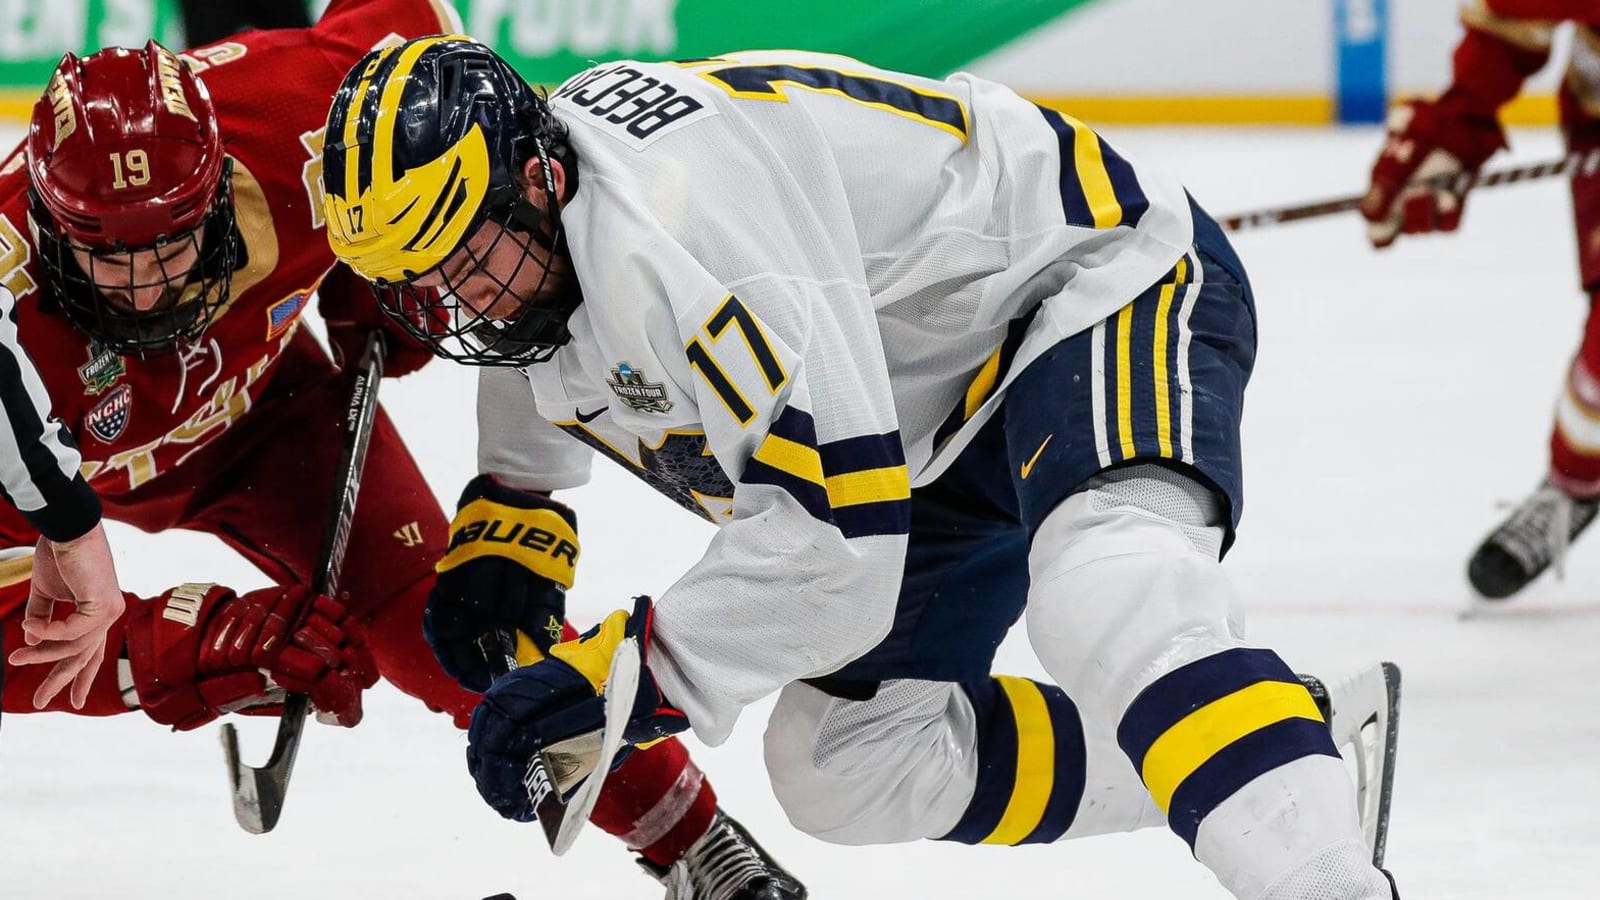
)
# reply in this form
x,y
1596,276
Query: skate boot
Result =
x,y
1529,541
726,863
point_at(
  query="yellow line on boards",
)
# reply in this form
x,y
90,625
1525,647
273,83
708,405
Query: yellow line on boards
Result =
x,y
16,105
1286,109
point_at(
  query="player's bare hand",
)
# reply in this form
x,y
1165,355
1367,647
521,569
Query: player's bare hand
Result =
x,y
78,574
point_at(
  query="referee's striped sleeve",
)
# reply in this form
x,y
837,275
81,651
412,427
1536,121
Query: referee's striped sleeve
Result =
x,y
38,461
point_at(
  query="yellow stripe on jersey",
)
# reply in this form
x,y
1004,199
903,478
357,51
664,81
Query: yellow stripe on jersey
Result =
x,y
1197,737
845,489
858,484
16,569
869,486
793,458
1092,175
983,383
1036,762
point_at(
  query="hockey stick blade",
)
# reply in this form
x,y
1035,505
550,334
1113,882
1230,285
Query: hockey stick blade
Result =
x,y
258,793
622,686
548,806
1366,729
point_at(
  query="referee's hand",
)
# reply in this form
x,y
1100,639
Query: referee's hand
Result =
x,y
78,572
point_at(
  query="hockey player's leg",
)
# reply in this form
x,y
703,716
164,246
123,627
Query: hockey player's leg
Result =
x,y
658,803
890,769
1132,613
1536,533
1041,776
998,761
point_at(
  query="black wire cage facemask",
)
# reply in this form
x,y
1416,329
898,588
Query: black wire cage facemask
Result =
x,y
98,300
510,329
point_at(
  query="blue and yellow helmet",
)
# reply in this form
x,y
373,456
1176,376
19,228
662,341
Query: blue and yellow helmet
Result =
x,y
425,143
419,136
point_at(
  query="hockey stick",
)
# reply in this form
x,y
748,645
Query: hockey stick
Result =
x,y
258,793
587,756
622,686
1260,218
499,648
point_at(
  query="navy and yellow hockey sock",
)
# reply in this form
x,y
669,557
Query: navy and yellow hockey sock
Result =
x,y
1030,763
1203,731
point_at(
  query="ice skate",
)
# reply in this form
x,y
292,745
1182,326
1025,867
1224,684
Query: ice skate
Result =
x,y
1363,712
726,863
1530,540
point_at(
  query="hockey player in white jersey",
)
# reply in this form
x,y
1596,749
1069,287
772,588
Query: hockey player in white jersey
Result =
x,y
931,356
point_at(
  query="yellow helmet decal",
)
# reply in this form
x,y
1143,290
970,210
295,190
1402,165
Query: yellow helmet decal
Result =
x,y
389,226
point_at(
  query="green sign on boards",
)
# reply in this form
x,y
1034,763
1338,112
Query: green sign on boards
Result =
x,y
548,40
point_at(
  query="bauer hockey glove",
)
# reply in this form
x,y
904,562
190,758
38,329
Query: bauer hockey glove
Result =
x,y
560,697
1425,141
512,557
200,650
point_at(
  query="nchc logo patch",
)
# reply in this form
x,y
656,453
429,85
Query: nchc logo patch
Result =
x,y
109,418
283,314
635,392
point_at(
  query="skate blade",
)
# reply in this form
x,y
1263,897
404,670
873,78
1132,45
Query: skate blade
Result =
x,y
1366,730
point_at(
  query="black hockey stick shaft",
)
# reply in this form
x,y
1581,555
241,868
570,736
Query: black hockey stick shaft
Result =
x,y
1260,218
499,648
258,793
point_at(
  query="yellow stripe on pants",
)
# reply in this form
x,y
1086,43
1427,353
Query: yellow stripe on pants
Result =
x,y
1036,762
1125,380
1163,401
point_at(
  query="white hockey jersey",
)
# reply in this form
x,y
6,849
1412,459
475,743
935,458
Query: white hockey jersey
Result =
x,y
798,271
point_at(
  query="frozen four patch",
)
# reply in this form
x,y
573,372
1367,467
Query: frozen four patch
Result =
x,y
102,370
635,393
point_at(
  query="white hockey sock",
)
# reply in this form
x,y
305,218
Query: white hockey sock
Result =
x,y
1291,834
1338,872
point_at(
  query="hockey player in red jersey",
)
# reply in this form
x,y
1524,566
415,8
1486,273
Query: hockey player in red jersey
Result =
x,y
1507,41
161,233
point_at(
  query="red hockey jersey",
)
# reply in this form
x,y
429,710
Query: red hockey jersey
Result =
x,y
137,419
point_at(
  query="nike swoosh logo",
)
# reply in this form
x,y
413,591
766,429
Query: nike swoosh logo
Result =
x,y
586,418
1027,467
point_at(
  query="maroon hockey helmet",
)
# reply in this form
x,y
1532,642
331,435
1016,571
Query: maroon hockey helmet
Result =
x,y
131,198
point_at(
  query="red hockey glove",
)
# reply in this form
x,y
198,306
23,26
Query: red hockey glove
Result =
x,y
199,651
1426,141
351,311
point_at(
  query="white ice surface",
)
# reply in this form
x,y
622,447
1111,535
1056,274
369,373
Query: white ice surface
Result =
x,y
1397,398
